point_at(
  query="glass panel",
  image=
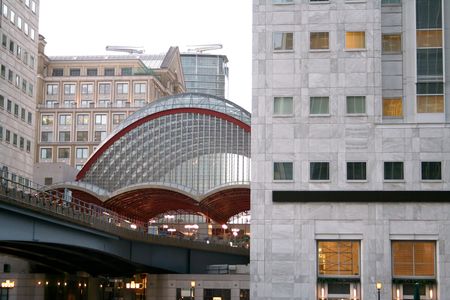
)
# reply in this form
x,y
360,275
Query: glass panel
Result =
x,y
283,106
338,258
283,41
390,1
392,43
355,40
429,63
356,104
356,171
411,259
319,105
431,170
428,14
319,171
430,88
429,38
424,259
430,104
339,288
319,40
392,107
393,170
282,171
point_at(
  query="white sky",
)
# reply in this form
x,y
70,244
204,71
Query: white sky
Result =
x,y
86,27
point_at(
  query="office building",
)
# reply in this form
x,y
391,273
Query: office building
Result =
x,y
81,99
205,73
350,149
18,52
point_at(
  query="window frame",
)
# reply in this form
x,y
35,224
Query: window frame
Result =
x,y
282,179
311,33
284,44
414,242
283,99
347,164
393,172
432,179
347,48
347,98
321,163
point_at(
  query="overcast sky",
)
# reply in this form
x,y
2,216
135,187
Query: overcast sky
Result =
x,y
86,27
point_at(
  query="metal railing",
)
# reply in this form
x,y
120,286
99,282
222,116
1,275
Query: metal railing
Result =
x,y
62,205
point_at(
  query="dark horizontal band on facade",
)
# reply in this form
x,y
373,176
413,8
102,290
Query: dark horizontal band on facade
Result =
x,y
361,196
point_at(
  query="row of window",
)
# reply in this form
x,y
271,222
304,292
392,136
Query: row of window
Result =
x,y
328,1
18,51
356,171
15,178
103,88
125,71
63,154
18,21
339,269
14,108
13,138
92,104
64,136
17,80
48,120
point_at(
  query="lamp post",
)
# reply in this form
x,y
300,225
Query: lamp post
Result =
x,y
379,286
192,289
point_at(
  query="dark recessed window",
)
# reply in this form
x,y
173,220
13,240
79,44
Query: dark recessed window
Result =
x,y
91,72
58,72
283,171
393,170
356,171
109,71
319,171
431,170
125,71
75,72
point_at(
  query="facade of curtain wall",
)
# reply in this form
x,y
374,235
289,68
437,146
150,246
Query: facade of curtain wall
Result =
x,y
350,149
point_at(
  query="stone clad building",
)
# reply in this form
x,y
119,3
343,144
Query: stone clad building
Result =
x,y
350,149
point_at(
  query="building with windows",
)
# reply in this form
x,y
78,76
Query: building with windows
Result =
x,y
18,52
82,99
205,73
350,149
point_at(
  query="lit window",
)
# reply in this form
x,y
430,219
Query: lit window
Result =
x,y
429,38
393,170
82,153
283,41
392,107
283,171
355,40
52,89
47,120
5,10
283,106
69,89
430,97
319,105
356,171
392,43
100,119
46,153
338,258
319,171
431,170
319,40
412,259
356,105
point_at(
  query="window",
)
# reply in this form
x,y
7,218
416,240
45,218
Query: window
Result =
x,y
87,88
282,1
22,114
28,146
3,72
19,22
283,106
428,14
391,43
2,102
10,75
429,63
429,38
283,171
430,97
4,293
122,88
47,136
118,118
139,102
244,294
21,143
140,88
46,153
30,118
82,136
121,103
16,110
413,259
100,119
33,6
125,71
9,106
393,170
78,167
64,136
69,89
104,88
103,103
5,11
392,107
283,41
48,180
82,153
58,72
319,40
4,40
99,136
7,135
63,153
52,89
1,133
17,81
356,171
213,294
91,72
338,258
12,16
70,103
85,103
24,85
319,106
355,40
390,2
83,119
19,51
319,171
356,104
65,119
431,170
109,71
15,139
74,72
11,46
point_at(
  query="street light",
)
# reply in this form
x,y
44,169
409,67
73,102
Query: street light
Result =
x,y
192,289
379,286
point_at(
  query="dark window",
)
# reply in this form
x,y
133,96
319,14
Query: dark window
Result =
x,y
75,72
22,114
428,14
409,288
1,133
16,110
339,288
244,294
319,171
6,268
2,102
429,62
30,118
48,180
282,171
9,105
430,88
356,171
393,170
431,170
126,71
4,40
109,71
58,72
91,72
4,294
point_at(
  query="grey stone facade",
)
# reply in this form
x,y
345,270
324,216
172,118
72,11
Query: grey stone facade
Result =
x,y
285,235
